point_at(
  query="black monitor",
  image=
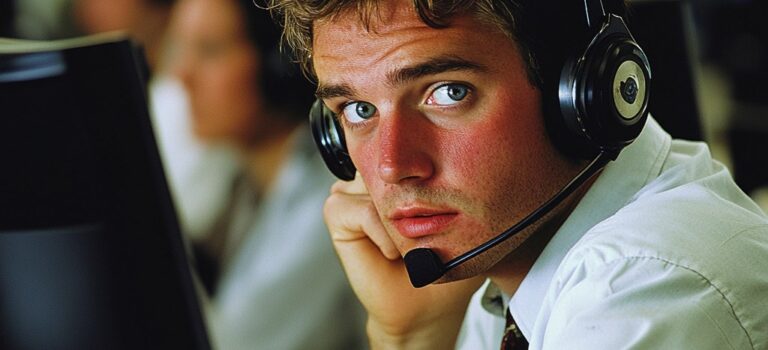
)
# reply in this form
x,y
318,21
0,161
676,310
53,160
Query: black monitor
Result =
x,y
91,256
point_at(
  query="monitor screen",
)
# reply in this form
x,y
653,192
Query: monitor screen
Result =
x,y
91,256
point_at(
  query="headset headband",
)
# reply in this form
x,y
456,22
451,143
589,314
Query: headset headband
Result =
x,y
595,12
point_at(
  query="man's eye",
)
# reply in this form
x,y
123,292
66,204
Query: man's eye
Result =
x,y
357,112
448,94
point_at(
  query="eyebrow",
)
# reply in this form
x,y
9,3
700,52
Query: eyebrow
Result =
x,y
407,74
432,67
335,90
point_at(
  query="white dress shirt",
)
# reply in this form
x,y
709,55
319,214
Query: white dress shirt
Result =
x,y
663,252
282,285
199,174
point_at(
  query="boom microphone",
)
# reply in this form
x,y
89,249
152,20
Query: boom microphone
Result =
x,y
425,267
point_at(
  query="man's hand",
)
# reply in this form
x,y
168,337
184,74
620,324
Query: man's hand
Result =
x,y
399,315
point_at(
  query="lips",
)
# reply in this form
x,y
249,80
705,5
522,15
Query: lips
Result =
x,y
420,222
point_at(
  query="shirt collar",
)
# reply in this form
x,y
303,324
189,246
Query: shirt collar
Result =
x,y
637,164
493,300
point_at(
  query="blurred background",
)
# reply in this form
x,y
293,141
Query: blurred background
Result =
x,y
725,44
229,111
709,60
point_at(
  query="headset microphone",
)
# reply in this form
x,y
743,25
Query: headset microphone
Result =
x,y
601,100
425,267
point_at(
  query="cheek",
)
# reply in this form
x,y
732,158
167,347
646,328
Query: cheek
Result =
x,y
491,149
228,88
224,99
494,157
364,158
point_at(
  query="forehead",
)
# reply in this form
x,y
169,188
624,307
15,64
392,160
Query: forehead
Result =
x,y
396,36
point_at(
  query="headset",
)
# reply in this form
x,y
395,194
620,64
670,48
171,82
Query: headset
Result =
x,y
602,98
279,79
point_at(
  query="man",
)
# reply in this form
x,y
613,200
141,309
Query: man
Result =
x,y
442,110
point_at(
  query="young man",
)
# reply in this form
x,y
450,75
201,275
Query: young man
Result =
x,y
442,110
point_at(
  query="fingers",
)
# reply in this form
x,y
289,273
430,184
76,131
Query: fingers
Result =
x,y
356,186
378,276
351,216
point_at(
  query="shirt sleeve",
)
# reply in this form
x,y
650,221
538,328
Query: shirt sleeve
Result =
x,y
642,303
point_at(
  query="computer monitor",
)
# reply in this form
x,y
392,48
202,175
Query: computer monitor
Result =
x,y
91,255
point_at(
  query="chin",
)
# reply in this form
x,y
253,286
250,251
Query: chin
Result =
x,y
481,264
470,269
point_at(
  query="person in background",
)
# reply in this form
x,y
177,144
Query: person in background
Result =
x,y
198,174
144,20
269,267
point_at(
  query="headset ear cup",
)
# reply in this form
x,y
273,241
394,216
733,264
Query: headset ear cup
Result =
x,y
615,98
604,93
329,138
563,120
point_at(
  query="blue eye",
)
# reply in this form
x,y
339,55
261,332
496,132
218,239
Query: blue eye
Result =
x,y
448,94
358,111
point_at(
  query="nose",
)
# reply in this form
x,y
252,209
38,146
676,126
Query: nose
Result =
x,y
404,148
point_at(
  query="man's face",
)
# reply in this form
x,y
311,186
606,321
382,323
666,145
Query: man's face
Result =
x,y
442,124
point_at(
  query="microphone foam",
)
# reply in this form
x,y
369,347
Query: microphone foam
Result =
x,y
424,266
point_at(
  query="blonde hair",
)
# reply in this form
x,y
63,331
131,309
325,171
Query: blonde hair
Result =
x,y
297,17
541,34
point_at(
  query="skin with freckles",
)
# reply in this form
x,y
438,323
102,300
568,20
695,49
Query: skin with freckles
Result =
x,y
446,131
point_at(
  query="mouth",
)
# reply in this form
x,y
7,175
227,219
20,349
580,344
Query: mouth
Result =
x,y
420,222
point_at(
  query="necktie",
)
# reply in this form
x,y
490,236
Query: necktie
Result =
x,y
513,338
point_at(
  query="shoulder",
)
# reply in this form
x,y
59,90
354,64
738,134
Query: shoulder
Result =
x,y
643,302
677,262
691,225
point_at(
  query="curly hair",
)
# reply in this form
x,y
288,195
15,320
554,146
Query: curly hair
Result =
x,y
297,17
544,31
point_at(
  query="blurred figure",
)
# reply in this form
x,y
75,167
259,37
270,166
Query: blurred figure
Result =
x,y
265,293
144,20
199,175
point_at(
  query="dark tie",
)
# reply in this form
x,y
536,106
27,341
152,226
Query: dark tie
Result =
x,y
513,338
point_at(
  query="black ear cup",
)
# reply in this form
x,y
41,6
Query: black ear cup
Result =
x,y
280,81
604,92
329,138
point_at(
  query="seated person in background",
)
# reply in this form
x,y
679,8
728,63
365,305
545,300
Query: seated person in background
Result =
x,y
268,263
459,125
198,174
144,20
